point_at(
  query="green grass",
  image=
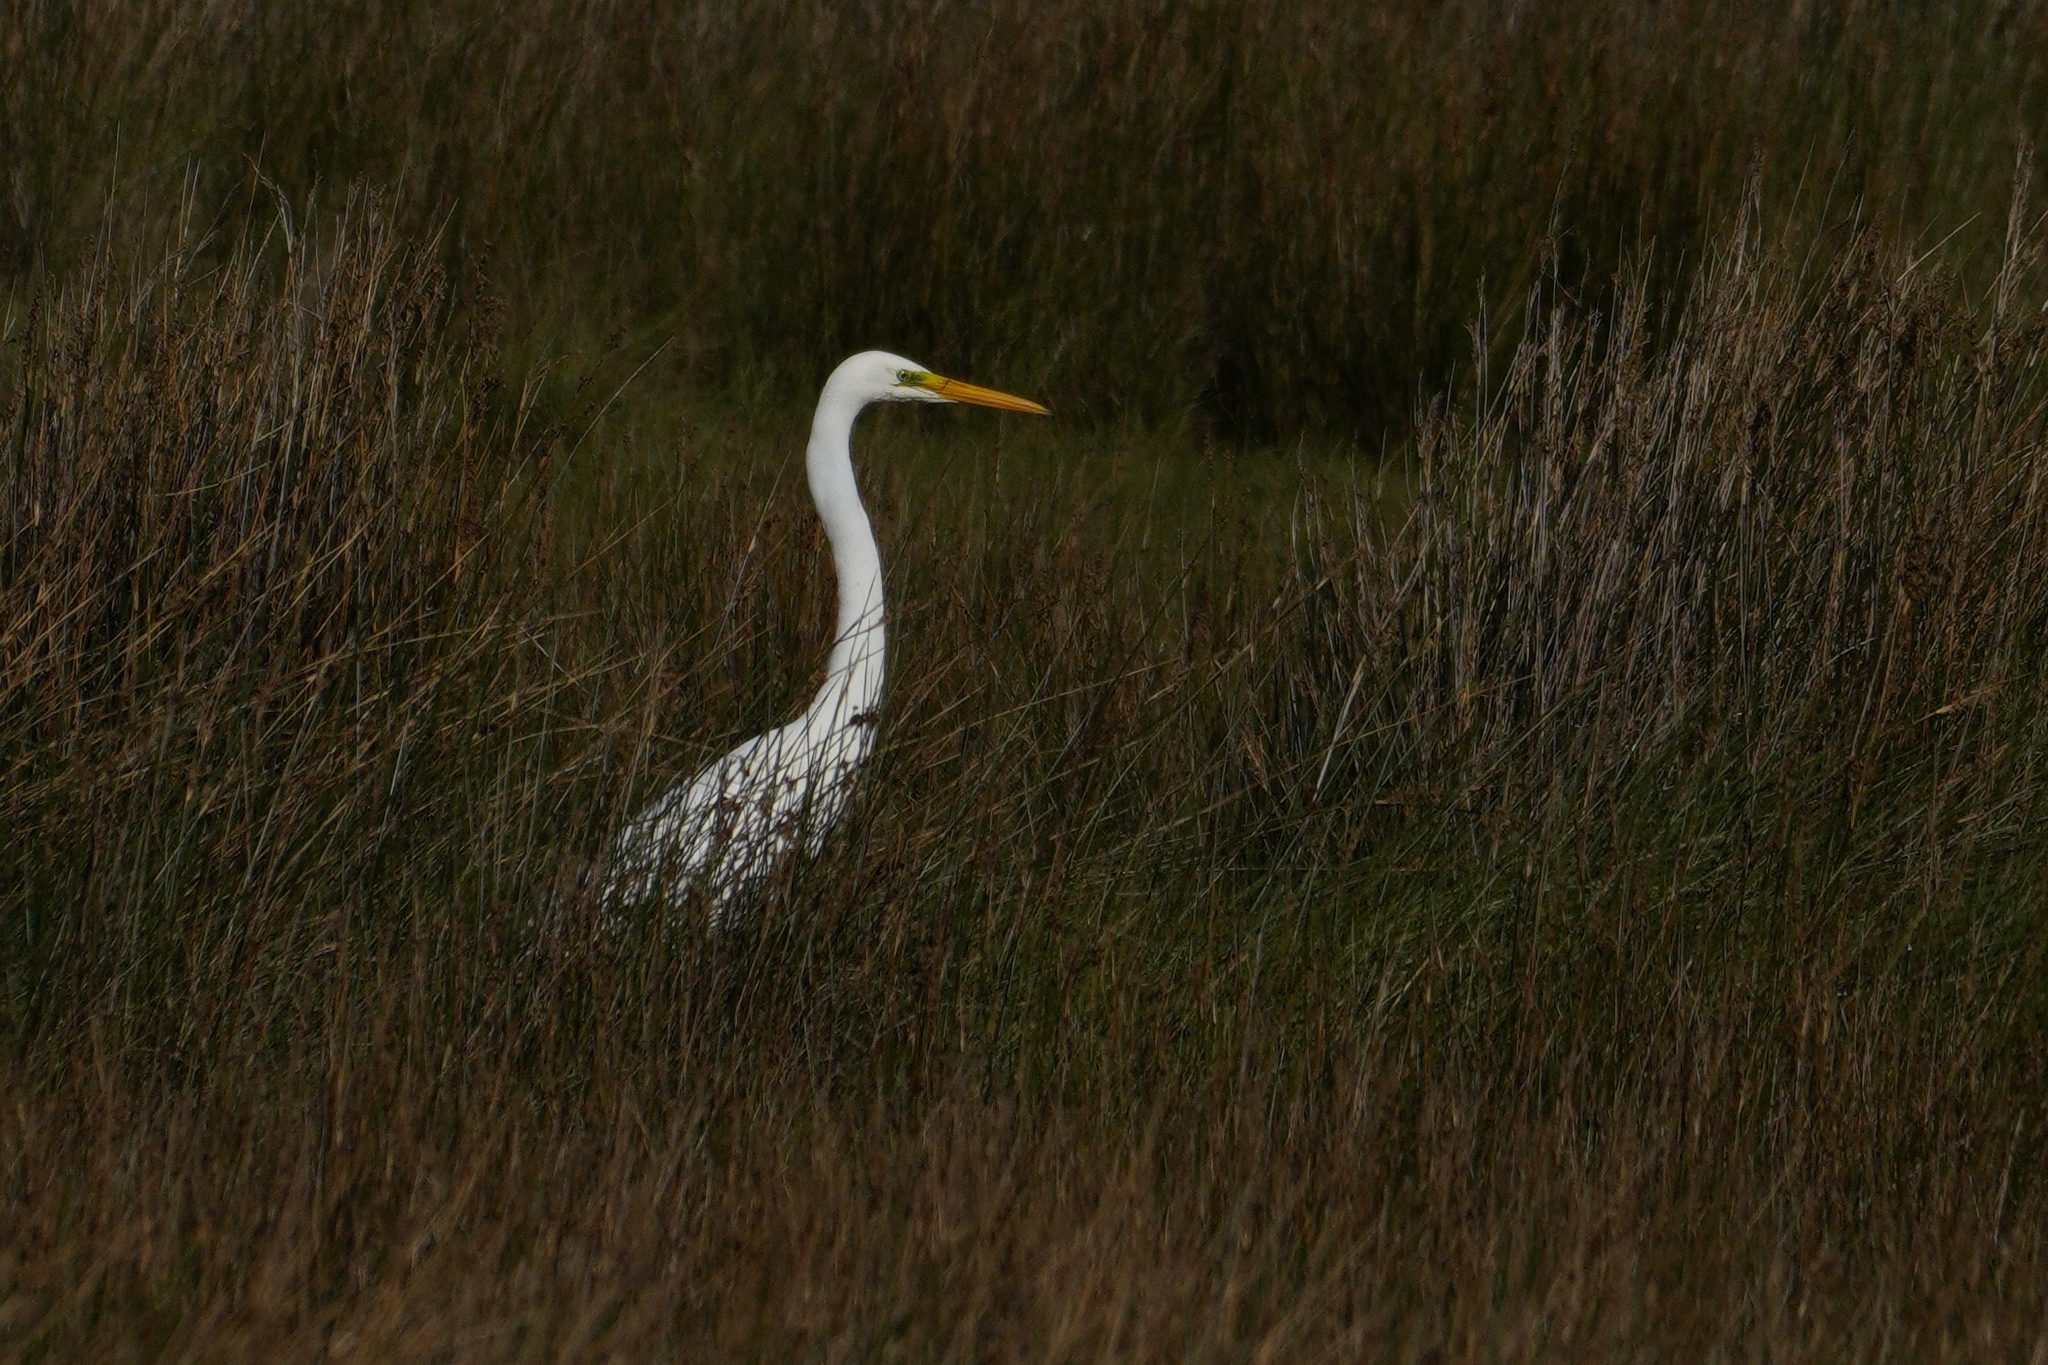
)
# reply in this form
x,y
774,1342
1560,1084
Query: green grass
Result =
x,y
1265,218
1558,880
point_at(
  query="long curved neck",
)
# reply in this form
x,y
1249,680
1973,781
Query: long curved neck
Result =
x,y
853,675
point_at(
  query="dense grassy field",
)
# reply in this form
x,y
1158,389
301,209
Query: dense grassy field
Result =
x,y
1476,796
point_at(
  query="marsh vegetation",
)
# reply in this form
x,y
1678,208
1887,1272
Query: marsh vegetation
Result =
x,y
1478,798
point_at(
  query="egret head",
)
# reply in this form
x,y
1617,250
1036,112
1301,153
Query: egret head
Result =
x,y
879,377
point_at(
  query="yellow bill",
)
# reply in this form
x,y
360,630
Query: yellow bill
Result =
x,y
958,392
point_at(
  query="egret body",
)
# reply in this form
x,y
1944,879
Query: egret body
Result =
x,y
719,834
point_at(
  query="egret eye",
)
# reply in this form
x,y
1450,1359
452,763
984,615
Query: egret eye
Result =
x,y
903,376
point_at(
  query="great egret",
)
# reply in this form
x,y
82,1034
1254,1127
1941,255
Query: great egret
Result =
x,y
719,834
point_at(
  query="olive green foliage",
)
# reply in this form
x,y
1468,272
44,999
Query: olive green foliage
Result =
x,y
1275,216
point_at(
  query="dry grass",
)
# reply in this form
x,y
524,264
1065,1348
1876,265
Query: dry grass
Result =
x,y
1594,917
1589,914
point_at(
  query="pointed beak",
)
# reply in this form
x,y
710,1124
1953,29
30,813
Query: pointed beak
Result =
x,y
955,391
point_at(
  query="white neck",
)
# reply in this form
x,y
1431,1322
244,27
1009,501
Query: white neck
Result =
x,y
853,675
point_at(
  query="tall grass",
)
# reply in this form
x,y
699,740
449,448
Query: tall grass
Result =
x,y
1277,217
1594,916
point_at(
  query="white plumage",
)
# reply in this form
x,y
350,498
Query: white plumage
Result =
x,y
721,833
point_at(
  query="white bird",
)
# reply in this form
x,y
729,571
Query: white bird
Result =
x,y
719,834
